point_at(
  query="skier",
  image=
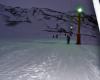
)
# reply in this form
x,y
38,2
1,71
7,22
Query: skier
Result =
x,y
69,34
53,36
56,36
68,38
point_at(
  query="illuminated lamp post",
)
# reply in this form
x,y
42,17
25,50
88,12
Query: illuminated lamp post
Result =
x,y
79,10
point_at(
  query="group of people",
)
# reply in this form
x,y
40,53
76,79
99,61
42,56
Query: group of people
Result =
x,y
68,36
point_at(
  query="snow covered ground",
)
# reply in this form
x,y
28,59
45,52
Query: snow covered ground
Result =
x,y
48,60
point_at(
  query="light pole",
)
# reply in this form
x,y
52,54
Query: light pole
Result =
x,y
79,10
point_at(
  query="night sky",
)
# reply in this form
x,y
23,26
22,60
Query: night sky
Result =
x,y
60,5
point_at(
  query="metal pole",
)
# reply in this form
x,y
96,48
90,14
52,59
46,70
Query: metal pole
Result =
x,y
78,32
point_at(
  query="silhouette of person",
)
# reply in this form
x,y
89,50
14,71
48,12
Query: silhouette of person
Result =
x,y
56,36
53,36
65,34
69,34
68,38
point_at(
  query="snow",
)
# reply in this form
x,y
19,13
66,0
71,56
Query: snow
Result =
x,y
45,59
48,60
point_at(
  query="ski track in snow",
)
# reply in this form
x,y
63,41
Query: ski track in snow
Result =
x,y
48,60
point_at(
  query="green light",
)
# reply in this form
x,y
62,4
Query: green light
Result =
x,y
79,10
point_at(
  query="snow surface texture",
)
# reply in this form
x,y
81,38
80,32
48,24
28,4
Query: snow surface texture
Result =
x,y
44,59
48,60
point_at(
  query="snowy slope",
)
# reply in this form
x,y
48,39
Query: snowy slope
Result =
x,y
48,60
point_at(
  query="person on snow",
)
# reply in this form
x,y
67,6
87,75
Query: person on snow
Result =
x,y
68,38
69,34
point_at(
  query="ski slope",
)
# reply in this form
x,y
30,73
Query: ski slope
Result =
x,y
48,60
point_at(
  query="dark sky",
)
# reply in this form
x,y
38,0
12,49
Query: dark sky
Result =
x,y
60,5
